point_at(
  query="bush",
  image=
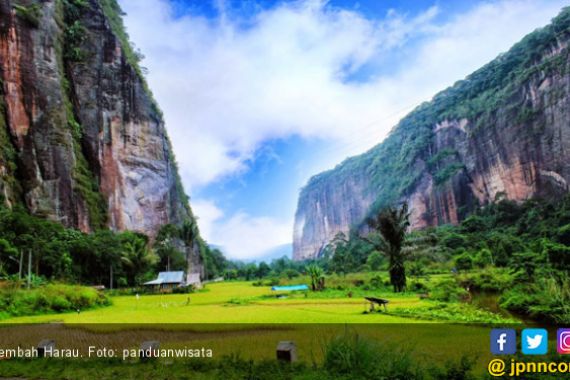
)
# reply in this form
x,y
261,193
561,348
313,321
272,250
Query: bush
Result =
x,y
357,357
358,282
489,280
418,286
376,282
483,258
50,298
464,261
547,299
448,291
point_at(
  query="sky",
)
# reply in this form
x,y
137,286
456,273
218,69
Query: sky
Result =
x,y
260,95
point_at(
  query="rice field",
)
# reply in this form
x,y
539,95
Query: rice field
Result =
x,y
237,318
233,302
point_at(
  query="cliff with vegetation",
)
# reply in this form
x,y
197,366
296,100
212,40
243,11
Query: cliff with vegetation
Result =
x,y
503,132
82,140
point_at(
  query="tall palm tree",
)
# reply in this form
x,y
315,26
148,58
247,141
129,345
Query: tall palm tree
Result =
x,y
389,232
137,258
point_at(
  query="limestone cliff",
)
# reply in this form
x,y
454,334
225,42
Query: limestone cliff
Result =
x,y
504,131
83,141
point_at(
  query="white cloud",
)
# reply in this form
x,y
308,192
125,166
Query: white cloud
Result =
x,y
226,89
241,236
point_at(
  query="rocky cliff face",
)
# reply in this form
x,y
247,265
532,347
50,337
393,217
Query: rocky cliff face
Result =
x,y
82,140
502,132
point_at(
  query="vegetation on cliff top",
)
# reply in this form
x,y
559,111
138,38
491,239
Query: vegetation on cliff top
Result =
x,y
396,165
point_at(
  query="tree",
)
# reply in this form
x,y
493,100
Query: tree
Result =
x,y
171,258
8,257
374,260
389,232
263,269
137,256
317,277
189,232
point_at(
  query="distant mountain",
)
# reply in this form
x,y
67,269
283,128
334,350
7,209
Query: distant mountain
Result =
x,y
277,253
504,131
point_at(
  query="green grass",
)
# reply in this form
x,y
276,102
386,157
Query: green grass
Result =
x,y
246,321
236,302
242,302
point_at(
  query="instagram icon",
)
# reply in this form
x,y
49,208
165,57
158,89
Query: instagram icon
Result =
x,y
563,345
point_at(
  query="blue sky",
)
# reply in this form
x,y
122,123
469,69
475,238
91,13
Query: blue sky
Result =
x,y
258,96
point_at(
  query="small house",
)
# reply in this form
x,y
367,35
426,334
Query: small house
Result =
x,y
167,281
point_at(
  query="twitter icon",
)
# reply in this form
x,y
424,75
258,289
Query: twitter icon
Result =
x,y
534,341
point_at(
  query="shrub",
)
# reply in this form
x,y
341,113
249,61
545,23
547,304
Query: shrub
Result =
x,y
358,282
490,280
376,282
448,291
50,298
30,14
464,261
547,299
357,357
418,286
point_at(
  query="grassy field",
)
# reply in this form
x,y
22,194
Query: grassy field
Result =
x,y
236,302
238,318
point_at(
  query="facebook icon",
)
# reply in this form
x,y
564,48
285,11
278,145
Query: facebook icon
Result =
x,y
503,341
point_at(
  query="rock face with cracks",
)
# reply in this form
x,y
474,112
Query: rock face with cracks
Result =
x,y
82,140
503,132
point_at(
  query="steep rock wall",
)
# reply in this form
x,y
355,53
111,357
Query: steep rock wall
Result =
x,y
502,132
83,141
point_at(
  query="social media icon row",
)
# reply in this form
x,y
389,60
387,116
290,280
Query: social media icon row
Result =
x,y
533,341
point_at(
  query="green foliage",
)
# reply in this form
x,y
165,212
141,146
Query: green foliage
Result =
x,y
30,14
464,261
391,225
456,312
445,174
8,155
317,277
73,256
440,156
75,36
114,15
448,291
375,260
361,358
563,235
350,255
49,299
488,280
548,298
70,52
8,257
386,362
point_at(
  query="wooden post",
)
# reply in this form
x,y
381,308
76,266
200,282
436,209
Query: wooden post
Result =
x,y
29,268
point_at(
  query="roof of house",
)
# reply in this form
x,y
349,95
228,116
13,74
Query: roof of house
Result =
x,y
167,278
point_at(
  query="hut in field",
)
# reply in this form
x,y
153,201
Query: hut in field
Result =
x,y
167,281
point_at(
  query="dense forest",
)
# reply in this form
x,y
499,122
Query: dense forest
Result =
x,y
71,256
